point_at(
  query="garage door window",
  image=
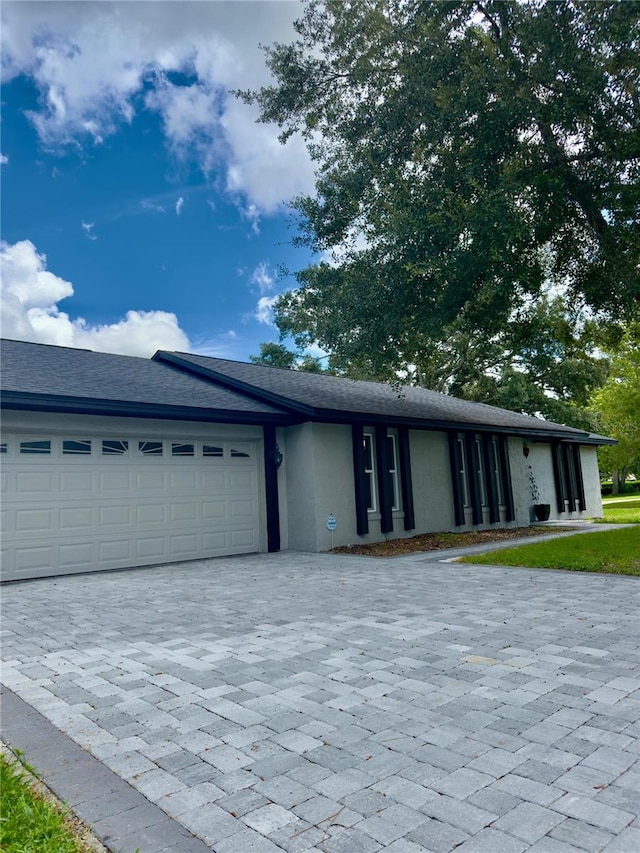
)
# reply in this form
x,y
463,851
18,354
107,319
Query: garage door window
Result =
x,y
114,447
182,449
81,446
150,448
35,447
212,450
239,454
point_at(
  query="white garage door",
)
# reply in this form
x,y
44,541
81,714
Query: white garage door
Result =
x,y
76,504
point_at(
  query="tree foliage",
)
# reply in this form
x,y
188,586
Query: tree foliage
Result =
x,y
617,406
468,154
277,355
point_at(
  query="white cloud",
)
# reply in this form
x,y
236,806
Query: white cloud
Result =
x,y
87,227
264,310
92,62
179,206
262,278
3,159
153,206
30,312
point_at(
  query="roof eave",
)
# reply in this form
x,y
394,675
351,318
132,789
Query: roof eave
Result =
x,y
17,400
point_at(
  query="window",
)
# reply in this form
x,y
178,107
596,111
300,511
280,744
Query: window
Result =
x,y
497,470
393,472
482,477
212,450
79,447
463,472
239,454
114,447
35,447
3,447
150,448
178,449
369,472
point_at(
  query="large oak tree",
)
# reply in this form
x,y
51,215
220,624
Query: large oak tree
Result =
x,y
469,155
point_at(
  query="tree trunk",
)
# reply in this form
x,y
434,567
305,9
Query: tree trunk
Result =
x,y
615,482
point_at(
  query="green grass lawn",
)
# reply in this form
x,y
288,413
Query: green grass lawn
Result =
x,y
29,823
612,551
621,511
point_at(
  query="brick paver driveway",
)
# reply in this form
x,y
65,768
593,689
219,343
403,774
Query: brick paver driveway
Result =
x,y
317,702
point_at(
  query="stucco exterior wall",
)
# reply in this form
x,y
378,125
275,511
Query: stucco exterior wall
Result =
x,y
299,494
432,486
591,476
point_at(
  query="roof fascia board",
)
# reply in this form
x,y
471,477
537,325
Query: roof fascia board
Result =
x,y
440,425
85,406
252,391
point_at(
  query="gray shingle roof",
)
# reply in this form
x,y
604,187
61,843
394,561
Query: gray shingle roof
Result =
x,y
321,395
77,374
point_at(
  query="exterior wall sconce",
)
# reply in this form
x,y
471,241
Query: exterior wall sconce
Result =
x,y
525,450
276,456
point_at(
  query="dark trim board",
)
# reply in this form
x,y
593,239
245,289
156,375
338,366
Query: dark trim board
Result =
x,y
271,489
362,514
51,404
406,483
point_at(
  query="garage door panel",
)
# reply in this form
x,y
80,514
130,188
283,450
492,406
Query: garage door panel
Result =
x,y
118,515
75,555
214,481
76,483
34,520
182,480
184,512
73,512
242,479
33,482
29,559
214,541
115,481
183,546
149,481
115,552
243,538
150,513
76,518
214,510
150,546
242,509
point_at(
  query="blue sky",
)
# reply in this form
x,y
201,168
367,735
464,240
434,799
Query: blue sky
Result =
x,y
142,206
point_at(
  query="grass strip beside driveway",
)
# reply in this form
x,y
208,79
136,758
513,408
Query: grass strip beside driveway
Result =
x,y
31,822
614,552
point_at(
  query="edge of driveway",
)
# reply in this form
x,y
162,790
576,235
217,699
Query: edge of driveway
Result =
x,y
122,819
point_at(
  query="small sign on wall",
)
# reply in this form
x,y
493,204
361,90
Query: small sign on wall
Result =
x,y
332,525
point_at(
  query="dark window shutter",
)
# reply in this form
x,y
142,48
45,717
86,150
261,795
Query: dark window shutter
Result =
x,y
505,473
385,496
492,486
474,483
359,480
406,485
271,489
577,464
558,478
456,464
